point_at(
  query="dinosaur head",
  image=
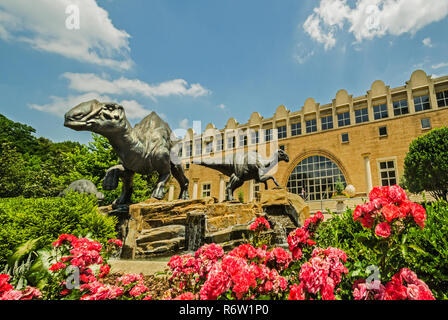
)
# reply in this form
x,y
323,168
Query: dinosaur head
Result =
x,y
102,118
282,156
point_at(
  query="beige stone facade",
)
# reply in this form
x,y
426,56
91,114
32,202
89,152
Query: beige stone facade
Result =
x,y
365,137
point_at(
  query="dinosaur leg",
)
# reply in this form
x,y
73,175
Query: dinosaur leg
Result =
x,y
229,190
236,184
178,173
163,167
159,191
111,179
265,179
127,177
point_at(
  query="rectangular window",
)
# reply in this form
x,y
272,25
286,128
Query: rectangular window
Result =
x,y
361,115
208,147
254,137
426,123
382,131
400,107
422,103
230,142
243,140
296,129
380,111
281,132
442,98
198,147
311,126
344,138
344,119
219,143
188,148
388,173
206,190
327,122
268,135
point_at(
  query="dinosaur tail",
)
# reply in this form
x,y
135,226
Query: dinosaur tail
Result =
x,y
224,168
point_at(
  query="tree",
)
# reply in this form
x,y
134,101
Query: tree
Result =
x,y
13,174
426,164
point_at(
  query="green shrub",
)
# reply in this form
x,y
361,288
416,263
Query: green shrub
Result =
x,y
23,219
426,164
423,251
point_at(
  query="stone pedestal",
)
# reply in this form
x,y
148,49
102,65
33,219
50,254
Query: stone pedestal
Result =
x,y
195,230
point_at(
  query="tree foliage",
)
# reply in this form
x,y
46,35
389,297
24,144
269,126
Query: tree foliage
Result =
x,y
426,164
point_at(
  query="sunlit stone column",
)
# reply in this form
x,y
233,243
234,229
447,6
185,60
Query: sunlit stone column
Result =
x,y
251,190
368,171
171,193
195,189
222,188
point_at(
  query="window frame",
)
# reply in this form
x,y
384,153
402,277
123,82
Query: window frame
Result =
x,y
362,116
282,132
327,122
381,111
398,111
421,124
383,135
343,119
209,189
444,98
388,159
421,103
312,126
297,129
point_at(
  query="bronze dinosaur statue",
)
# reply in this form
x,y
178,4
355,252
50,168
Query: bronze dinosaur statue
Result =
x,y
143,149
244,166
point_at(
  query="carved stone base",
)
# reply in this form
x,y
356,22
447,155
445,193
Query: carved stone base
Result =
x,y
153,228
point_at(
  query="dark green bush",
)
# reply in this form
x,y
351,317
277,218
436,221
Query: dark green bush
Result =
x,y
23,219
423,251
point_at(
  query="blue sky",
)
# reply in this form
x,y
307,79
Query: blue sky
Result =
x,y
207,60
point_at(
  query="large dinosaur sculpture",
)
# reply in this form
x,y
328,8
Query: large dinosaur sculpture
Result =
x,y
244,166
142,149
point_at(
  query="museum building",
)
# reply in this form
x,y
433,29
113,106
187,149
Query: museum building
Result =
x,y
360,141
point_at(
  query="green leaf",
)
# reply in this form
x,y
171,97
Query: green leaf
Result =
x,y
23,250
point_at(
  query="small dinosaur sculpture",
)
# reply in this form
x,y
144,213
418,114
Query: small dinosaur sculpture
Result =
x,y
83,186
142,149
243,166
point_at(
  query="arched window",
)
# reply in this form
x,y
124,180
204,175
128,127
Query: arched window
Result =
x,y
317,175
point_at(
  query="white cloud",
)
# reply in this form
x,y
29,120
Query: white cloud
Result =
x,y
427,42
302,53
85,82
222,106
59,106
372,18
42,24
440,65
183,124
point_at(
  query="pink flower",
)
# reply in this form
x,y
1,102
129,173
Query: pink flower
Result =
x,y
390,212
57,266
186,296
4,285
116,242
138,290
260,224
383,230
